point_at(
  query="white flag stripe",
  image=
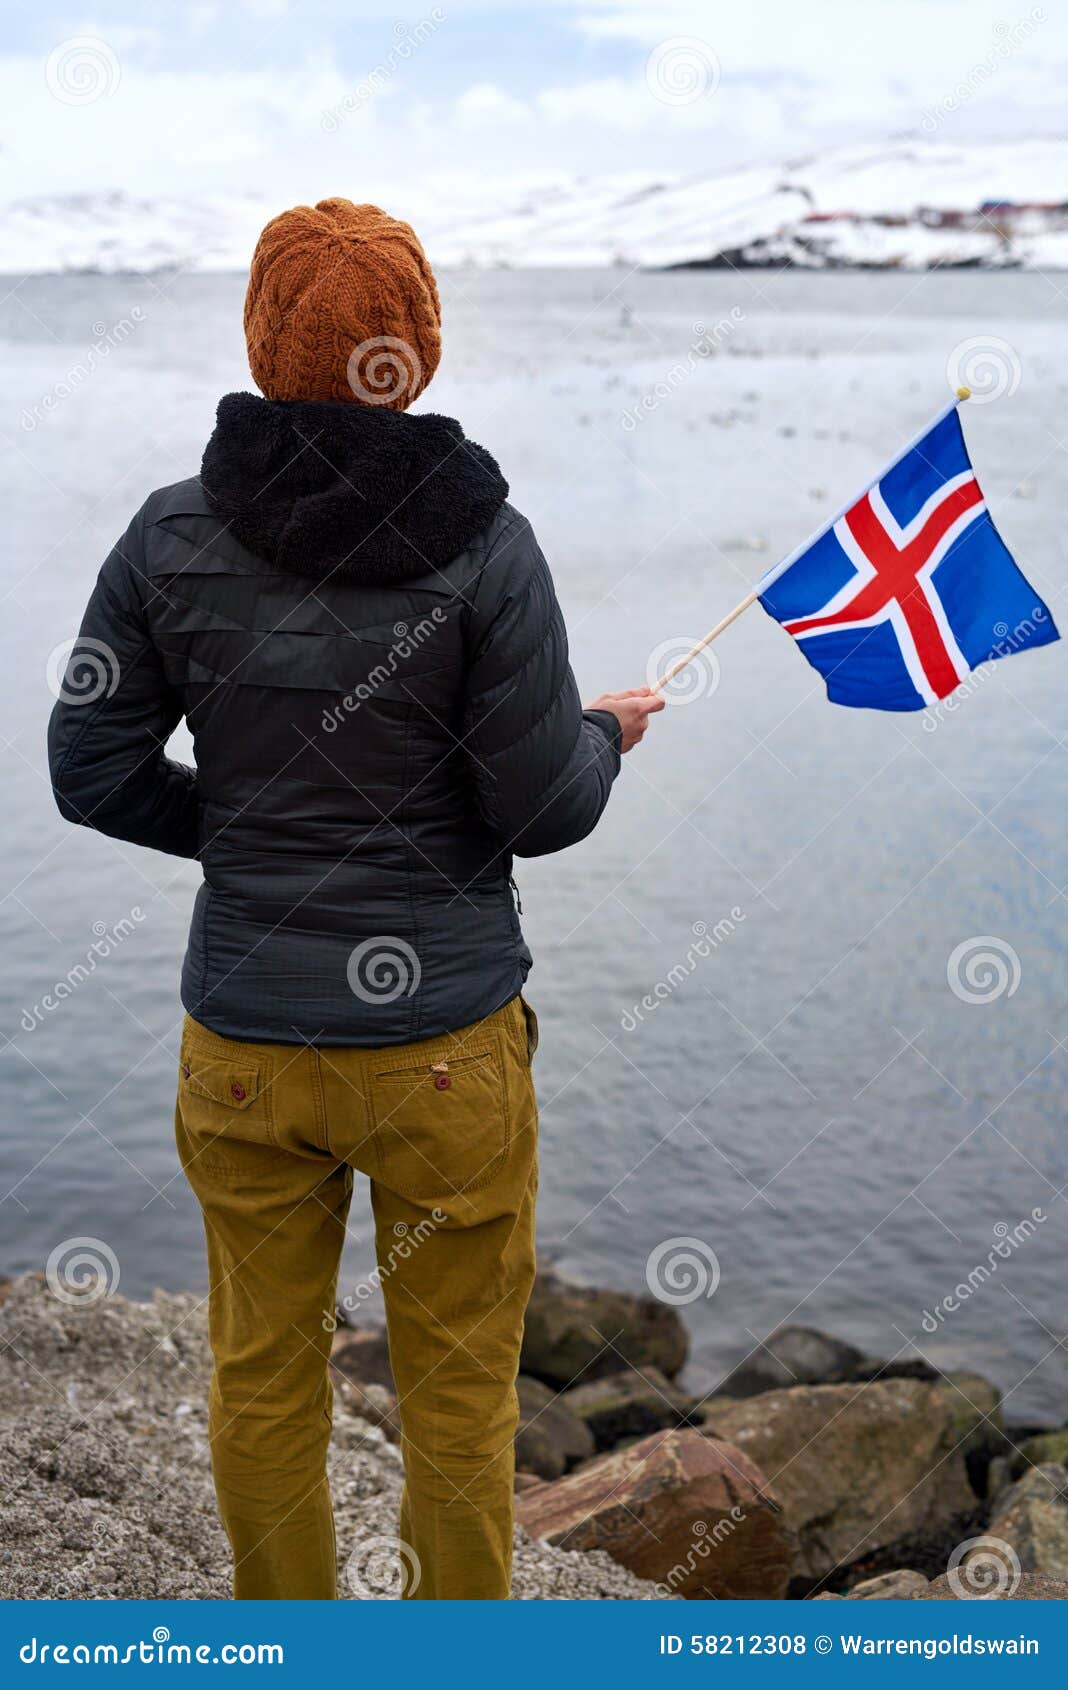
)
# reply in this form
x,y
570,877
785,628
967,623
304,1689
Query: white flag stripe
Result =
x,y
923,581
910,656
938,609
893,612
902,536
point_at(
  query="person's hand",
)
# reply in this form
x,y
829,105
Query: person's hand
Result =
x,y
633,709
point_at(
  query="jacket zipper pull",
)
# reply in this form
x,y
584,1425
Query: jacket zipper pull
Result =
x,y
518,899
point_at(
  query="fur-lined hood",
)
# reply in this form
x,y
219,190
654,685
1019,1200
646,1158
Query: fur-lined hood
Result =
x,y
354,490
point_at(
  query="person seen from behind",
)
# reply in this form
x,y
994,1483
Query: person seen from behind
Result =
x,y
363,638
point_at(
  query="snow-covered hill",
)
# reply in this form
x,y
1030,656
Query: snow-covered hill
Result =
x,y
909,203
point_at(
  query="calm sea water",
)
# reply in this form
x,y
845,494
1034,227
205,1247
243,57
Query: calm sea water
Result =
x,y
808,1098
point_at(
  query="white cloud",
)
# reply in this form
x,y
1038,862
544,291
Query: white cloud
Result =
x,y
485,103
793,78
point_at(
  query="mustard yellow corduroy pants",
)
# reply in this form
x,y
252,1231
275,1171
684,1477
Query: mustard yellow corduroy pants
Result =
x,y
445,1130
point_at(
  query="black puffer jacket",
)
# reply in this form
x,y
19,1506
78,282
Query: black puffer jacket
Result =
x,y
364,639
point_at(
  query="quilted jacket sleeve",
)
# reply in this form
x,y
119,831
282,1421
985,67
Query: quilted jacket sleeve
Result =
x,y
115,713
543,767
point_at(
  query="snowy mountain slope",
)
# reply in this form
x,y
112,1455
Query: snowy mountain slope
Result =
x,y
906,203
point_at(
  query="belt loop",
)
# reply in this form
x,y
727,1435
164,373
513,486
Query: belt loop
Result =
x,y
319,1097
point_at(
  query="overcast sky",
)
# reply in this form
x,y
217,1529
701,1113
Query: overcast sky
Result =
x,y
323,97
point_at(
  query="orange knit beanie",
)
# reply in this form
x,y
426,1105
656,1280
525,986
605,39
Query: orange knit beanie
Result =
x,y
341,304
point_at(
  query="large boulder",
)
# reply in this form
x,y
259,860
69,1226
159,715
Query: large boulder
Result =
x,y
551,1438
857,1467
373,1403
1032,1587
803,1355
1032,1518
574,1333
998,1477
794,1355
1042,1449
978,1425
975,1404
904,1367
898,1585
362,1353
632,1404
680,1508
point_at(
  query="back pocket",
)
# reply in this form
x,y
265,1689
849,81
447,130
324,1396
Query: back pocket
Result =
x,y
224,1104
441,1127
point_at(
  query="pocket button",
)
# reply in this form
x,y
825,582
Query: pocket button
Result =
x,y
237,1092
442,1082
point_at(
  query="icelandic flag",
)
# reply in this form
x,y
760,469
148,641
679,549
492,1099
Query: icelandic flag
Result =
x,y
912,587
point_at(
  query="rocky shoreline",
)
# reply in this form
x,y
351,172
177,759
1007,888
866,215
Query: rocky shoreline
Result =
x,y
813,1471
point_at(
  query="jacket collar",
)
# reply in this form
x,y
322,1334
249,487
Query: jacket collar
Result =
x,y
352,490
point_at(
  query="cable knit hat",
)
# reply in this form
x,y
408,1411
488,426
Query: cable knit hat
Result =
x,y
341,304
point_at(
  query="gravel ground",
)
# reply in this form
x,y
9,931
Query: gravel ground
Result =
x,y
105,1487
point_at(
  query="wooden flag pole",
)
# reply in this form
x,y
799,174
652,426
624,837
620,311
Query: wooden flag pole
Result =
x,y
773,574
713,633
